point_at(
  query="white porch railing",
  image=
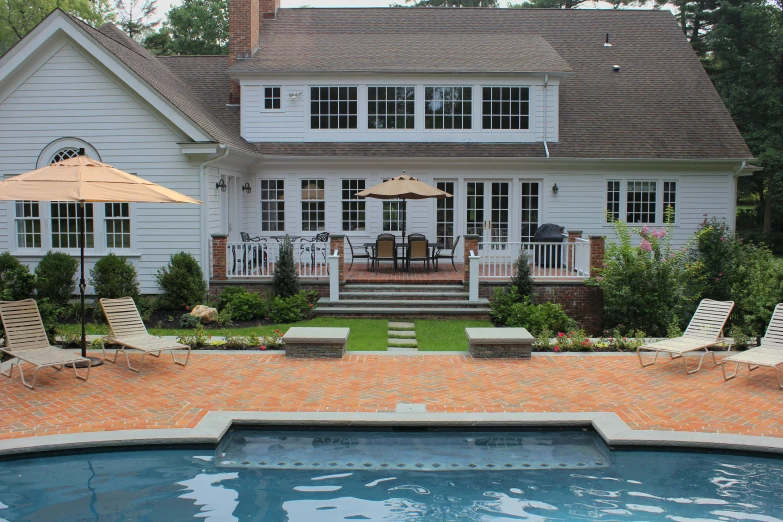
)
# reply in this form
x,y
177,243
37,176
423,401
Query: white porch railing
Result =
x,y
547,260
259,259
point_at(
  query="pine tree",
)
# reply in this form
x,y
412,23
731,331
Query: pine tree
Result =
x,y
285,282
522,278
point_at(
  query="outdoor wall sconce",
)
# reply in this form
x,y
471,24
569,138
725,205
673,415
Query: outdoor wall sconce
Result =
x,y
555,189
246,188
221,185
295,95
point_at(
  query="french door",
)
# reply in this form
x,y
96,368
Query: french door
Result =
x,y
444,215
487,210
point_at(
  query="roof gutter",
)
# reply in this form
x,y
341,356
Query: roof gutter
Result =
x,y
546,83
204,208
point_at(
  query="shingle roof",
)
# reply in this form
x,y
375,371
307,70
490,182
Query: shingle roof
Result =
x,y
398,52
660,105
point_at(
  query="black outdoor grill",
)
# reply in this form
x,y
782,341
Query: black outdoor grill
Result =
x,y
550,256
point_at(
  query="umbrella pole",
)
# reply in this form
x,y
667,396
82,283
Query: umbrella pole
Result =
x,y
82,282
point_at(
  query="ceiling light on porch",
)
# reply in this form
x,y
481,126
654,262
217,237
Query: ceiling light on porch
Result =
x,y
221,185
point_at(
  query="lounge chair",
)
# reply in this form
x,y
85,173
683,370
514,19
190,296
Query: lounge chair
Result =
x,y
128,331
769,354
704,330
26,340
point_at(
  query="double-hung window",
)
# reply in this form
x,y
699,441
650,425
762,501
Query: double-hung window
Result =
x,y
669,201
354,209
333,107
390,107
272,205
506,108
642,202
449,108
117,225
313,205
272,99
28,224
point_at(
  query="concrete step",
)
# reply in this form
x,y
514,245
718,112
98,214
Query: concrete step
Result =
x,y
385,294
402,287
405,343
402,334
400,326
402,303
404,313
400,349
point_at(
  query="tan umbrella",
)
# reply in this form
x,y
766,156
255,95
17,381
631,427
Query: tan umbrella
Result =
x,y
403,187
85,180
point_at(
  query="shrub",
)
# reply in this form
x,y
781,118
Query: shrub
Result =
x,y
182,282
224,319
114,276
7,263
502,302
188,321
535,318
246,306
290,309
55,277
646,286
50,312
228,294
523,280
18,283
197,339
285,282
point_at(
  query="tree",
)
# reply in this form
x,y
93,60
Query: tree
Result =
x,y
195,27
135,17
19,17
548,4
285,282
453,3
745,62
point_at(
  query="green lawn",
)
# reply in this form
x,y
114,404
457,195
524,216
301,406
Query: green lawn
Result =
x,y
366,334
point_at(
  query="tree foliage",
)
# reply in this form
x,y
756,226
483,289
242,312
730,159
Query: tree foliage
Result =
x,y
19,17
548,4
195,27
135,17
453,3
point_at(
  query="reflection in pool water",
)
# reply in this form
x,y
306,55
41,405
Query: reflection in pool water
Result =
x,y
178,485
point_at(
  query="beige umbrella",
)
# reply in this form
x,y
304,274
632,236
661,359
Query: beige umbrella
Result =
x,y
403,187
85,180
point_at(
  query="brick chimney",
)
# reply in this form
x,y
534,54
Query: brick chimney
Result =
x,y
244,23
269,8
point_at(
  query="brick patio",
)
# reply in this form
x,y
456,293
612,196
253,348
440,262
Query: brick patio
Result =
x,y
168,396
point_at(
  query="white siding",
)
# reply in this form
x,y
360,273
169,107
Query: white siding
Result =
x,y
69,96
292,122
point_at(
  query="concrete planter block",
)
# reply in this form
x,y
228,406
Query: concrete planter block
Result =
x,y
316,343
499,343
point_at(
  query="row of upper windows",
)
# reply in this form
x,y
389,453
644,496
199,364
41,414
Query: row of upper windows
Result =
x,y
449,108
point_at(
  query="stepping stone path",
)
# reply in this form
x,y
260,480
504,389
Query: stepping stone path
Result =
x,y
402,337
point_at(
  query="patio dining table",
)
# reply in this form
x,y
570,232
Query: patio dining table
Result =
x,y
431,248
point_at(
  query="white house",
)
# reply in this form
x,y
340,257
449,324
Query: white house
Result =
x,y
527,116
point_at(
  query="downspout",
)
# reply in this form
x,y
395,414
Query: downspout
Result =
x,y
546,83
205,261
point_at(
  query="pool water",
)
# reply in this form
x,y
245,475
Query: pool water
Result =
x,y
313,476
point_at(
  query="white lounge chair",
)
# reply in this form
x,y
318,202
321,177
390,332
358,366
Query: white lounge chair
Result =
x,y
704,331
769,354
128,331
25,338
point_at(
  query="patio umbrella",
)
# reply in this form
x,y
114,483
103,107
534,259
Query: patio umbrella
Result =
x,y
403,187
84,180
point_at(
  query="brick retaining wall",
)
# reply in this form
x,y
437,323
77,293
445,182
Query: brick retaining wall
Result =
x,y
265,287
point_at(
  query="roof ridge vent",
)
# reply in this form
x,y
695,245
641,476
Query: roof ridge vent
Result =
x,y
607,44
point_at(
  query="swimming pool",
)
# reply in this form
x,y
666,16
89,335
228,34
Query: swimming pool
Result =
x,y
386,475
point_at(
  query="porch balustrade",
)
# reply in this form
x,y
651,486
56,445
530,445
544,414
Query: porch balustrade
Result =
x,y
548,260
258,259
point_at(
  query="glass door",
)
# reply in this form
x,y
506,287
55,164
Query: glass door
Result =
x,y
488,210
444,216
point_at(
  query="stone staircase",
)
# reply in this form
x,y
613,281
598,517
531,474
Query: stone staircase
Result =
x,y
405,301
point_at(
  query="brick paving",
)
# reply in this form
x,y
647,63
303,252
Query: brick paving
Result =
x,y
169,396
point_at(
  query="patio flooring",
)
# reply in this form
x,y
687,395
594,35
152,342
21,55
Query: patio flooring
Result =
x,y
169,396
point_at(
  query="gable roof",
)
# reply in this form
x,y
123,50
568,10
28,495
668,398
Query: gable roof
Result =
x,y
405,51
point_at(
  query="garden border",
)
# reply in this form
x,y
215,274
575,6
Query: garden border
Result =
x,y
211,429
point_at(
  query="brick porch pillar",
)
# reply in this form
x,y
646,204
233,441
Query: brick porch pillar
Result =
x,y
573,235
471,243
337,242
597,249
219,257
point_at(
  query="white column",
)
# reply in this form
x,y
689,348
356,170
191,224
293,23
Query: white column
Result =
x,y
473,284
334,276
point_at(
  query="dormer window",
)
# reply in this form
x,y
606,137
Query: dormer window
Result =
x,y
333,108
449,108
506,108
272,99
390,107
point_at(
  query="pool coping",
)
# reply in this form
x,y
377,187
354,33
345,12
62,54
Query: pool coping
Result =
x,y
211,429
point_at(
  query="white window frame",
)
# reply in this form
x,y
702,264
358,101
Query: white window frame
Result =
x,y
676,200
361,207
359,112
264,98
529,102
659,206
115,219
386,115
302,201
471,112
279,181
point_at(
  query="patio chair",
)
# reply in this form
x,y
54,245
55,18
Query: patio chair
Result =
x,y
26,341
128,331
769,353
312,245
250,253
385,250
366,254
418,250
438,255
704,331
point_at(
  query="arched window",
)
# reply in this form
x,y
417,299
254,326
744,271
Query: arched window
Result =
x,y
110,220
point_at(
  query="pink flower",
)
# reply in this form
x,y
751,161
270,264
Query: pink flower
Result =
x,y
557,348
723,239
561,334
645,245
277,331
662,233
717,279
263,347
187,307
645,230
585,343
720,275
